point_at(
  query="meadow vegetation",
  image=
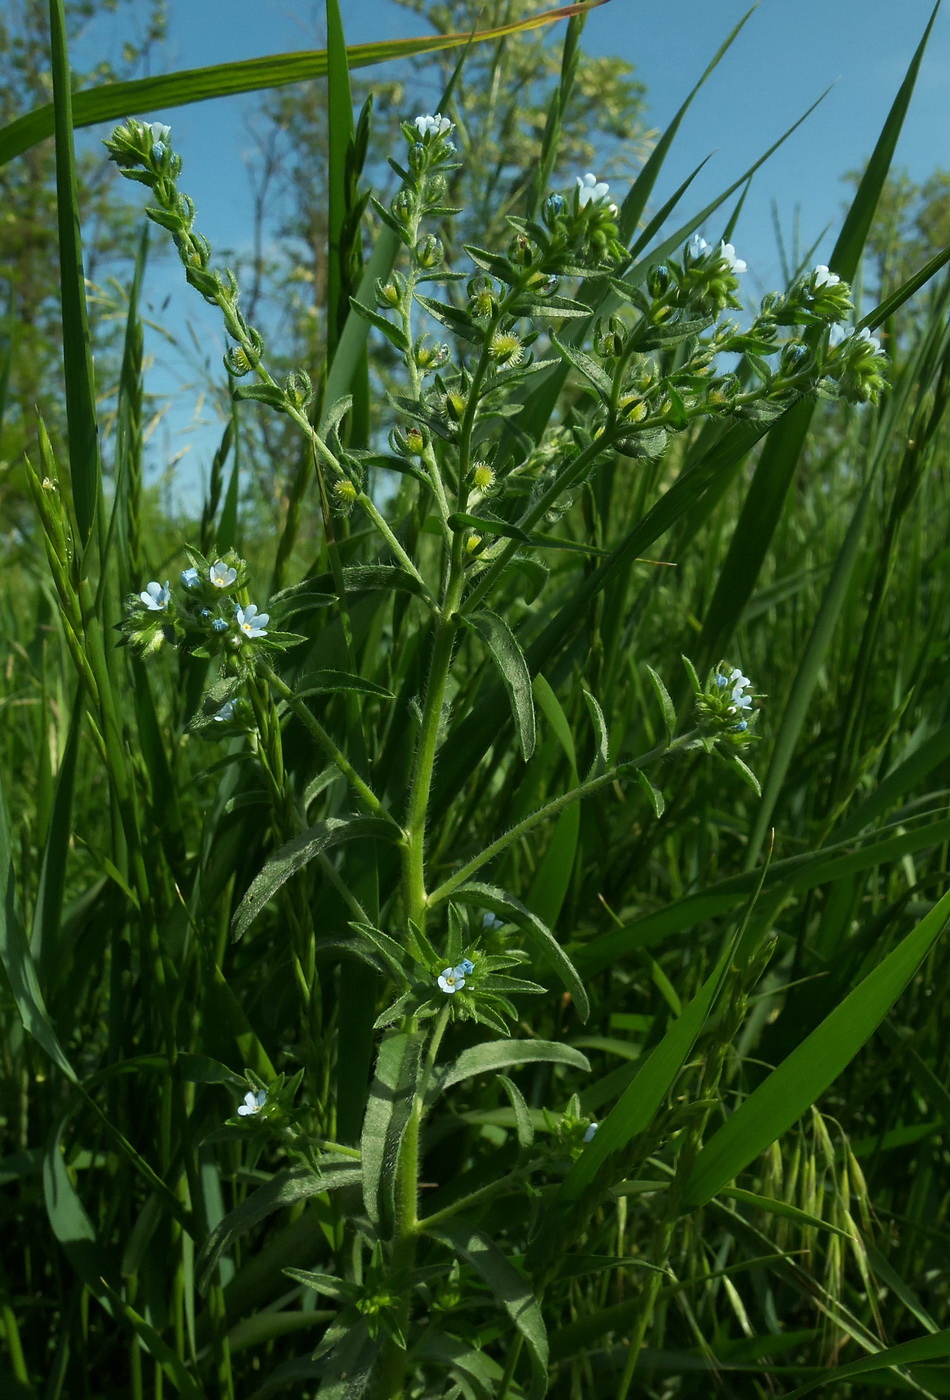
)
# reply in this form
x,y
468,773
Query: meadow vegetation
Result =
x,y
471,898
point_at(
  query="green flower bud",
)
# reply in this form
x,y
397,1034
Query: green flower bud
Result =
x,y
429,251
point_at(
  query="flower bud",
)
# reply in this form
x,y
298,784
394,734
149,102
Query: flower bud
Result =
x,y
483,476
417,157
658,280
429,251
472,543
298,388
506,349
435,188
554,206
520,251
483,299
429,357
455,404
415,440
387,294
403,206
345,493
236,362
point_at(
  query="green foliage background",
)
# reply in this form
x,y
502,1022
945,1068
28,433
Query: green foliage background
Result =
x,y
763,1208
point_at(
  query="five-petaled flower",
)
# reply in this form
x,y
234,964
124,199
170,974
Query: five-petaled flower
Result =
x,y
452,979
589,187
696,247
155,597
189,578
251,622
822,277
159,131
254,1101
466,967
836,335
433,126
728,255
221,574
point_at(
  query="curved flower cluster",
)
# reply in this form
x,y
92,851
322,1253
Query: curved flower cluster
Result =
x,y
725,707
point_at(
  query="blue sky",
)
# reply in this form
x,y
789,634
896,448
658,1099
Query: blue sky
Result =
x,y
788,54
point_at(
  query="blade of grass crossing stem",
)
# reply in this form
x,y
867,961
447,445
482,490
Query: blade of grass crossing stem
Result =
x,y
127,507
636,1109
18,960
801,1079
776,466
84,466
560,98
228,523
113,101
340,124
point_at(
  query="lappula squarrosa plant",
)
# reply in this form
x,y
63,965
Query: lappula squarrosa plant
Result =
x,y
647,350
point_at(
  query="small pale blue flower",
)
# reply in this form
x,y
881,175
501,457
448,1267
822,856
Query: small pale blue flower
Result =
x,y
221,574
491,920
189,578
452,980
219,624
465,968
253,1102
591,1130
155,597
696,247
251,622
226,711
159,131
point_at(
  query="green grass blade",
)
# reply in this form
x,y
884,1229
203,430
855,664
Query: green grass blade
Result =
x,y
84,465
933,1348
553,877
112,101
509,658
17,958
340,124
801,1079
49,899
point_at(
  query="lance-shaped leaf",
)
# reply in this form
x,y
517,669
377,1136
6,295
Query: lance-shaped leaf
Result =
x,y
505,906
283,1190
493,1055
388,1110
509,1287
509,658
801,1079
296,854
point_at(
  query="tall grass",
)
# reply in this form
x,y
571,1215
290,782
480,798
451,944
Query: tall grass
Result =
x,y
466,752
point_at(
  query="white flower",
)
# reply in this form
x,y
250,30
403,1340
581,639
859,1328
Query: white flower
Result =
x,y
160,132
836,335
589,187
189,578
696,247
253,1102
728,255
452,980
155,597
226,711
821,277
251,622
863,335
433,126
221,575
591,1130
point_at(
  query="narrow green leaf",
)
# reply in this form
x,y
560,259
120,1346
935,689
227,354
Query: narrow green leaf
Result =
x,y
18,960
296,854
502,1054
666,704
388,1110
84,466
169,1360
112,101
488,525
511,1290
331,682
931,1348
509,659
654,795
775,1207
393,333
523,1124
48,910
72,1226
553,876
801,1079
512,910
